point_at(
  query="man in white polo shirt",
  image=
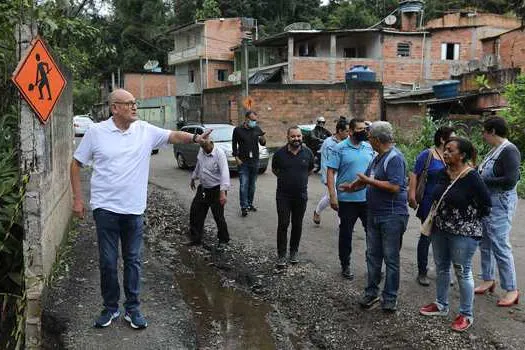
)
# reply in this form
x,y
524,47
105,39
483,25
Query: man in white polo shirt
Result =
x,y
120,149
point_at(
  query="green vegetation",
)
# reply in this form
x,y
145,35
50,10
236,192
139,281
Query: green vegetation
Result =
x,y
473,131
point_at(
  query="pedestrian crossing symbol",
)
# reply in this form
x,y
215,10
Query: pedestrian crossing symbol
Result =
x,y
39,79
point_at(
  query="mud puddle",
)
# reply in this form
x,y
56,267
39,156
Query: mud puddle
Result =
x,y
226,317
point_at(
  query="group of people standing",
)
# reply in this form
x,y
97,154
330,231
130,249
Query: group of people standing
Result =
x,y
365,178
468,205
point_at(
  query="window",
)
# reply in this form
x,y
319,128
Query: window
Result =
x,y
191,76
354,52
403,50
222,74
307,49
449,51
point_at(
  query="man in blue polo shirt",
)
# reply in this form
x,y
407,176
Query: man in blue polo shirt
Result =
x,y
351,157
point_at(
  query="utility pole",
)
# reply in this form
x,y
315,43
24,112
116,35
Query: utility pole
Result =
x,y
245,72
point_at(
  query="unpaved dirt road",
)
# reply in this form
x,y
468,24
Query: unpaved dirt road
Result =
x,y
203,298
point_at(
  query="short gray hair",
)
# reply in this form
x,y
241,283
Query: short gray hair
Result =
x,y
382,131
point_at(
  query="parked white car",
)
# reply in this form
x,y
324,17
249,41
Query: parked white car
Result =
x,y
81,123
186,154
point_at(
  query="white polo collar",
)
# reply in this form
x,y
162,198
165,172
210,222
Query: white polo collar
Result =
x,y
113,127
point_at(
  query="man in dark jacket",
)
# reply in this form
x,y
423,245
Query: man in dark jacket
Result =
x,y
245,148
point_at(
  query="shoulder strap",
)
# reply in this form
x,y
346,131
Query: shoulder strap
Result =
x,y
466,171
428,160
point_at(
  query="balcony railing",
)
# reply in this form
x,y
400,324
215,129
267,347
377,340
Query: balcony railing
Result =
x,y
175,57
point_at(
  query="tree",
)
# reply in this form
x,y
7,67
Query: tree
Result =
x,y
515,115
210,9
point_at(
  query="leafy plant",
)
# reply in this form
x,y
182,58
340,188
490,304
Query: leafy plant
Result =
x,y
482,81
515,114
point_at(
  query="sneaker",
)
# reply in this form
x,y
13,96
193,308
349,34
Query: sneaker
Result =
x,y
105,318
244,212
369,302
423,280
461,324
345,272
135,319
281,263
432,310
389,306
252,208
293,258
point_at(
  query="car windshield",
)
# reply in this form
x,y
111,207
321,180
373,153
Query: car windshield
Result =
x,y
222,134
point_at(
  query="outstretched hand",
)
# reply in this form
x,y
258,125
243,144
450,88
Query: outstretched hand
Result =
x,y
204,137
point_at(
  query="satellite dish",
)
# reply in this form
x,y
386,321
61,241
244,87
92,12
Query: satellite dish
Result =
x,y
232,78
390,20
151,65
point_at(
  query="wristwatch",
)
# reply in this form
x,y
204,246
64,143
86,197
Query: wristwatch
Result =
x,y
194,139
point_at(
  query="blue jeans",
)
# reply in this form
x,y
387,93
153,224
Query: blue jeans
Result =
x,y
248,171
348,213
495,246
457,250
384,237
112,227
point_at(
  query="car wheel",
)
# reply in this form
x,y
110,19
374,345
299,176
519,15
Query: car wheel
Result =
x,y
181,162
262,170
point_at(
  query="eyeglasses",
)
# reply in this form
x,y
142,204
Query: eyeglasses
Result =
x,y
128,104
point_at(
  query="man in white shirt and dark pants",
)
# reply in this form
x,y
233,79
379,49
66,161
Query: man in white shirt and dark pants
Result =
x,y
214,177
119,150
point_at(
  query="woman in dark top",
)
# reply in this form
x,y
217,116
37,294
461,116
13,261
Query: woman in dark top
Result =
x,y
457,229
435,165
500,171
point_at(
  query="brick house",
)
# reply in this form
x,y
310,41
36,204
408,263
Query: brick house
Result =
x,y
146,85
202,59
404,56
506,50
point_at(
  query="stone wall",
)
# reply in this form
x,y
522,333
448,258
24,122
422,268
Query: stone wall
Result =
x,y
281,106
45,155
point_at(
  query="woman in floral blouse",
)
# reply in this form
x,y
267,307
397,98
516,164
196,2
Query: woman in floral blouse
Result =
x,y
457,229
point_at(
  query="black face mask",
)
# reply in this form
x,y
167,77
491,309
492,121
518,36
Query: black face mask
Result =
x,y
360,136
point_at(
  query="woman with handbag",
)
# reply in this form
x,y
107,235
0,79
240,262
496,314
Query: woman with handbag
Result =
x,y
462,200
422,182
500,171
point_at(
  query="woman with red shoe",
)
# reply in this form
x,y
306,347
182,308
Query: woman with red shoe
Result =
x,y
462,200
500,170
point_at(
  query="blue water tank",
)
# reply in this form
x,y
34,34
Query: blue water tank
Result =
x,y
446,88
362,73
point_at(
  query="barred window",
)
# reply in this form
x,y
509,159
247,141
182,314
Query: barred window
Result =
x,y
403,50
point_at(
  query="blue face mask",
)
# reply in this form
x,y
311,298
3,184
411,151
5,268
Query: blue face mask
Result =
x,y
252,123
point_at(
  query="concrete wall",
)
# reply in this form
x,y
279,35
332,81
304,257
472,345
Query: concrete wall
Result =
x,y
148,85
184,86
281,106
46,153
